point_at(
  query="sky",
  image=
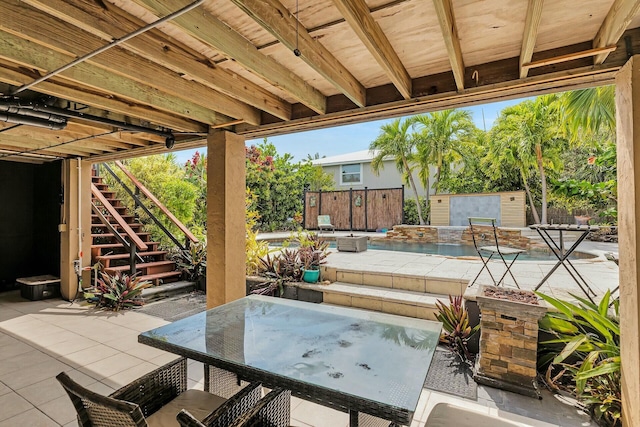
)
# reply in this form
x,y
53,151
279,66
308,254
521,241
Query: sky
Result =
x,y
346,139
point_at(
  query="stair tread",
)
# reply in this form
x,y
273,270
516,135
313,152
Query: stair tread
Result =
x,y
134,224
140,266
126,256
142,233
118,245
378,293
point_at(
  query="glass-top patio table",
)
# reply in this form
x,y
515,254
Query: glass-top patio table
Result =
x,y
350,360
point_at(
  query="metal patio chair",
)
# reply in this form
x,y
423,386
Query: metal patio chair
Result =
x,y
155,399
491,250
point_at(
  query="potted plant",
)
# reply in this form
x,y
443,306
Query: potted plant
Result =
x,y
310,260
117,291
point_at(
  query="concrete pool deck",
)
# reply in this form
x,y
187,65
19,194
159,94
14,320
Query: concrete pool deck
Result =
x,y
600,273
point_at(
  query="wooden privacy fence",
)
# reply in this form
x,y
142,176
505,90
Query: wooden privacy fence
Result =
x,y
358,210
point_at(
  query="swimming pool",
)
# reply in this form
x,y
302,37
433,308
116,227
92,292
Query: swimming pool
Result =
x,y
454,250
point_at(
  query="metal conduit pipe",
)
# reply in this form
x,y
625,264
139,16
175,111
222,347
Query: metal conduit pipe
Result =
x,y
110,45
97,119
20,109
31,121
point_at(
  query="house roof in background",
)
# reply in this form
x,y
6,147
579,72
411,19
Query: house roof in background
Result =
x,y
363,156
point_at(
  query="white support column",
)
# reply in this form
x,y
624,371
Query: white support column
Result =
x,y
628,140
225,218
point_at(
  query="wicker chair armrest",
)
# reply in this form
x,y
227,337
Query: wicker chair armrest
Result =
x,y
155,389
228,412
274,410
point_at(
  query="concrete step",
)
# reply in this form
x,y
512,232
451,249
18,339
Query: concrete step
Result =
x,y
167,290
392,301
396,281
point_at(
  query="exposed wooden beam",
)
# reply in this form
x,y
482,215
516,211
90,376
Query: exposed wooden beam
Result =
x,y
84,140
547,83
569,57
17,75
614,25
220,36
532,22
25,143
29,54
150,150
444,10
54,33
106,21
274,17
358,15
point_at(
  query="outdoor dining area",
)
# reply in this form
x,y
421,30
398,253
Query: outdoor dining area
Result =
x,y
256,361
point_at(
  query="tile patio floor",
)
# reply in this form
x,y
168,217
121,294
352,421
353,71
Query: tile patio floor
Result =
x,y
100,350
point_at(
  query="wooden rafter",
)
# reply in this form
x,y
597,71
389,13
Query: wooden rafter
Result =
x,y
105,23
569,57
43,59
210,30
532,22
17,75
274,17
358,15
53,33
614,24
444,10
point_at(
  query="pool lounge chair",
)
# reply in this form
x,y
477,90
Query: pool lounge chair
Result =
x,y
324,221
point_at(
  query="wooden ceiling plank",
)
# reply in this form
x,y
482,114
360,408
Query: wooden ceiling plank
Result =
x,y
66,135
15,75
29,54
52,32
106,24
532,22
212,31
614,25
30,143
358,15
127,138
148,151
274,17
444,10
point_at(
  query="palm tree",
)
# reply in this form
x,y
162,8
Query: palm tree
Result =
x,y
528,136
440,141
394,141
593,110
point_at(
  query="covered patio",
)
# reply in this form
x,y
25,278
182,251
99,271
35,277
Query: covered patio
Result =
x,y
86,82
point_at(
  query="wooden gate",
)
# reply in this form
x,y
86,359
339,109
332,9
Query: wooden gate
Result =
x,y
358,210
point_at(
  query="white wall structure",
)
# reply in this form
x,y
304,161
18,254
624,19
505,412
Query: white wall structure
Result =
x,y
347,168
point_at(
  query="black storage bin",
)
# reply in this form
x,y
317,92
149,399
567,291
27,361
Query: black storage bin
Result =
x,y
39,287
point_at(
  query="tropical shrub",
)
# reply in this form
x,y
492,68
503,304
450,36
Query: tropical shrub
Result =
x,y
192,261
456,329
411,211
584,356
117,292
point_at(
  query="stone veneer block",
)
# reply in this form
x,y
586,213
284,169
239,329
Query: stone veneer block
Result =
x,y
444,287
337,299
379,280
366,303
350,277
508,343
409,283
329,273
399,309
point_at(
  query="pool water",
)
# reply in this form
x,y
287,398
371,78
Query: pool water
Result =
x,y
454,250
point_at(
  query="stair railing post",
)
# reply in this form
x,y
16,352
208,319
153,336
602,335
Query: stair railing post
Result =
x,y
132,258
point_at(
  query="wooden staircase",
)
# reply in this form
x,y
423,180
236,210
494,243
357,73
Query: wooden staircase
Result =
x,y
151,263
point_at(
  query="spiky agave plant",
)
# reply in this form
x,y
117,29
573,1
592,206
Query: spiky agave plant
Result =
x,y
456,329
118,291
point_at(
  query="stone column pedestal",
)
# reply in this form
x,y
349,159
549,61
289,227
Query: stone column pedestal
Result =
x,y
508,341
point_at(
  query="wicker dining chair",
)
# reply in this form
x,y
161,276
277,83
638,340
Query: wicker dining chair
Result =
x,y
273,410
155,400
